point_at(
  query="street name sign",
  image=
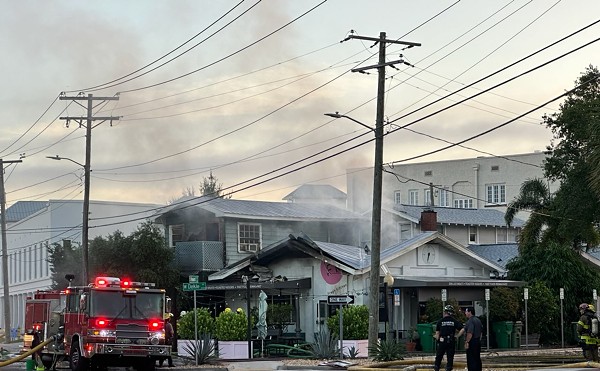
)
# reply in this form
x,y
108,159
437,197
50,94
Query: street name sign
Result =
x,y
340,299
194,286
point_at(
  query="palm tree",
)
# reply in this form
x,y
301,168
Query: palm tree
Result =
x,y
535,197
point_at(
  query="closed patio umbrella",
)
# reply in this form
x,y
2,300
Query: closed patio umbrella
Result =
x,y
262,318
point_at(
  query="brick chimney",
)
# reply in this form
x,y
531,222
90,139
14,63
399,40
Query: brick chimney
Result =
x,y
428,221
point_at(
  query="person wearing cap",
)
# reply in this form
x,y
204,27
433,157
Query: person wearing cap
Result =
x,y
445,333
472,340
587,339
169,334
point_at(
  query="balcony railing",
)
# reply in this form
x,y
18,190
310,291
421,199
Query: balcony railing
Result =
x,y
194,256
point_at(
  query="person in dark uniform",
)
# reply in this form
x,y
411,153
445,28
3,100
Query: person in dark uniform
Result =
x,y
472,340
446,331
169,335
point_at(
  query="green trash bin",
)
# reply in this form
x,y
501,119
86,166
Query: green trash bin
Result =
x,y
460,342
502,330
30,365
426,336
515,336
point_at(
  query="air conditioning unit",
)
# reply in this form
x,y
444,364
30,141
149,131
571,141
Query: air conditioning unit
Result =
x,y
252,247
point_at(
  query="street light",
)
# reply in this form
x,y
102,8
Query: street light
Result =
x,y
388,281
375,224
86,212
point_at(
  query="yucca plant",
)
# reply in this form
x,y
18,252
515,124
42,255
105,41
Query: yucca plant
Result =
x,y
353,353
325,345
204,349
386,351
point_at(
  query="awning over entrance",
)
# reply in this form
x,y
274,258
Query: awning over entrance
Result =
x,y
303,283
454,282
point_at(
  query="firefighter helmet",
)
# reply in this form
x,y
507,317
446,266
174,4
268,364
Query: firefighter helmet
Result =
x,y
591,307
583,306
449,309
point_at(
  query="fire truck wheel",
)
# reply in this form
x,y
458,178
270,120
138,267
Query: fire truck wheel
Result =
x,y
76,360
147,365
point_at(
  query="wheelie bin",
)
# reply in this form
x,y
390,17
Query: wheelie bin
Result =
x,y
515,336
426,335
503,330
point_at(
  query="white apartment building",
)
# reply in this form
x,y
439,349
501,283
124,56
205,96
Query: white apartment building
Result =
x,y
472,183
32,226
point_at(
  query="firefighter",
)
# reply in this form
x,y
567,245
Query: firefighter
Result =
x,y
169,334
587,329
446,331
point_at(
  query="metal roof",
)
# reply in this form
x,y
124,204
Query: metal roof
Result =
x,y
320,191
223,207
22,209
458,216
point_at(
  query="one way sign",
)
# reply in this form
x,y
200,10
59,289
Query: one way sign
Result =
x,y
340,299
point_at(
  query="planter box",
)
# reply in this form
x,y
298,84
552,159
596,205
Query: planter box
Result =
x,y
184,345
233,349
361,345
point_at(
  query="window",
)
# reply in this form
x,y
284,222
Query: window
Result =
x,y
463,203
443,197
495,168
501,234
427,193
496,193
175,234
249,236
473,234
397,197
513,235
428,172
413,196
405,231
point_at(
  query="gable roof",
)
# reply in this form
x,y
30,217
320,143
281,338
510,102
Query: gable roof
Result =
x,y
22,209
265,210
457,216
316,191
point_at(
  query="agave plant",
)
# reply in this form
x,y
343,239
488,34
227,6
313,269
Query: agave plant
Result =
x,y
325,345
204,349
386,351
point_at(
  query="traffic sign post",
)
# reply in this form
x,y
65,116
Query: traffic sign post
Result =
x,y
487,317
194,285
193,279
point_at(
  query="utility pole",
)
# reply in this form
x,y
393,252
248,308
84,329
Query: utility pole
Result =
x,y
5,249
377,181
86,168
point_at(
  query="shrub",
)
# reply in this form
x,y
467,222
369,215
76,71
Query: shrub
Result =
x,y
504,304
356,322
434,308
185,324
386,351
231,326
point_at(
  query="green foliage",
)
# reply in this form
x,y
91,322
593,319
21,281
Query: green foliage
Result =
x,y
186,324
204,348
64,258
355,321
353,352
543,312
231,326
504,304
387,350
557,266
325,345
434,308
279,315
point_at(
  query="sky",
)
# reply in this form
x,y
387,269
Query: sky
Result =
x,y
240,88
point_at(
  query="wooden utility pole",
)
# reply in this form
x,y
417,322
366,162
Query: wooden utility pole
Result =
x,y
5,250
374,274
86,168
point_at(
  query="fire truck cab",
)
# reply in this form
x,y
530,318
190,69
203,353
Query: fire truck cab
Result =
x,y
110,322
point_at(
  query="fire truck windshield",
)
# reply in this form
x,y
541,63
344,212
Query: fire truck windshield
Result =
x,y
118,304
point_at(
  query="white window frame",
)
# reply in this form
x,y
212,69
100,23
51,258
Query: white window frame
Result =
x,y
413,196
501,235
405,231
427,195
246,242
463,203
443,197
495,194
473,234
397,197
176,233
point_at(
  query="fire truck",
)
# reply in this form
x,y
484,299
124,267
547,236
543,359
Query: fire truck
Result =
x,y
110,322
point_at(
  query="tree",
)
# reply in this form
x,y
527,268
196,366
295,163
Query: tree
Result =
x,y
141,256
535,197
211,187
575,151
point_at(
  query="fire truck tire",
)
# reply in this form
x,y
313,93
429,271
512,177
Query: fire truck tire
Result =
x,y
76,360
147,365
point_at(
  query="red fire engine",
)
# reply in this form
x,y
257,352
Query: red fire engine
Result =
x,y
111,322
